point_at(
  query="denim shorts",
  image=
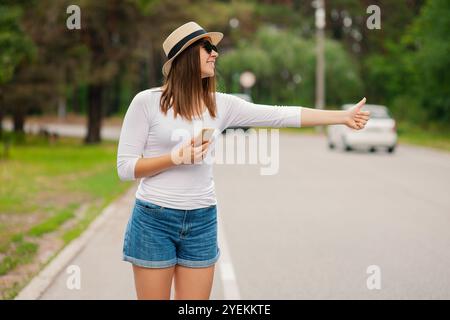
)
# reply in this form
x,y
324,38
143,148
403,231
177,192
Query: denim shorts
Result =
x,y
161,237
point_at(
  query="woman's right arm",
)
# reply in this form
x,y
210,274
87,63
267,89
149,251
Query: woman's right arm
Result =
x,y
133,136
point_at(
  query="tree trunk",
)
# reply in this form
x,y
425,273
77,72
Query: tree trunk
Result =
x,y
62,107
75,99
151,66
116,94
19,119
94,113
2,113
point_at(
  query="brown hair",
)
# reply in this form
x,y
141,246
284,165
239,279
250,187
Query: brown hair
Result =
x,y
185,87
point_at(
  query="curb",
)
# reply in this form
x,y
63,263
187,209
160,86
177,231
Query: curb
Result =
x,y
39,284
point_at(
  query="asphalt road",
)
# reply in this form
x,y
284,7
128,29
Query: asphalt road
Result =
x,y
312,230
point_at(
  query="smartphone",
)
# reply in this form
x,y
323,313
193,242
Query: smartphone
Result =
x,y
205,135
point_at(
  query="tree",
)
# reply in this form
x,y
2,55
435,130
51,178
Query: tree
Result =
x,y
15,48
284,65
108,32
430,39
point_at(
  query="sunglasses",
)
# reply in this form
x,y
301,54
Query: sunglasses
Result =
x,y
209,47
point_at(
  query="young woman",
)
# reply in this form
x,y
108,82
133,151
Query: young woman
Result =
x,y
172,231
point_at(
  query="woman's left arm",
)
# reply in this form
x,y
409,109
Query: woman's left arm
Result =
x,y
354,117
241,113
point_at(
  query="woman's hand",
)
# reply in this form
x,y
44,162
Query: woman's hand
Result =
x,y
355,118
189,153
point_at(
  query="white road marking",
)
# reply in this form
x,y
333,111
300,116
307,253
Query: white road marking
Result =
x,y
227,275
229,283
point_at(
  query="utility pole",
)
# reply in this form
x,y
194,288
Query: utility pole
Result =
x,y
320,64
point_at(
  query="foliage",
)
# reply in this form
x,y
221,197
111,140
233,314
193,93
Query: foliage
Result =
x,y
284,66
15,45
431,37
118,52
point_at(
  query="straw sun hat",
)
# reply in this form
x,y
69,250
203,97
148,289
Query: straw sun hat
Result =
x,y
181,38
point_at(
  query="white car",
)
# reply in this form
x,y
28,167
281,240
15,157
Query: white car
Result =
x,y
379,132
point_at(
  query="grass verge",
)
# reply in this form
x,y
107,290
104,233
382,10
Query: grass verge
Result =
x,y
50,191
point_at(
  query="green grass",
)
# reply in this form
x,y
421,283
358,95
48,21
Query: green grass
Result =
x,y
23,253
437,137
42,188
52,223
76,231
11,292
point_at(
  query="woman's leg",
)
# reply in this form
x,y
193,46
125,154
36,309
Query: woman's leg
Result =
x,y
153,283
193,283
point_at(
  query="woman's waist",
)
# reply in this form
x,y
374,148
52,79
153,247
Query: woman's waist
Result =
x,y
182,177
180,197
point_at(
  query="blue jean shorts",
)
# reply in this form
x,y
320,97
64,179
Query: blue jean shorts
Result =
x,y
160,237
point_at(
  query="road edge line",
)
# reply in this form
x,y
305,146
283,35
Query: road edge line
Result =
x,y
227,274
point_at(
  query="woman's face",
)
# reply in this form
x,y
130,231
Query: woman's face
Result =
x,y
207,61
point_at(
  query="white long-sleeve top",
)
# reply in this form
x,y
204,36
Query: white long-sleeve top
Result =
x,y
147,132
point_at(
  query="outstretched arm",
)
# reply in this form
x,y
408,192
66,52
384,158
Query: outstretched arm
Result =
x,y
247,114
353,118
